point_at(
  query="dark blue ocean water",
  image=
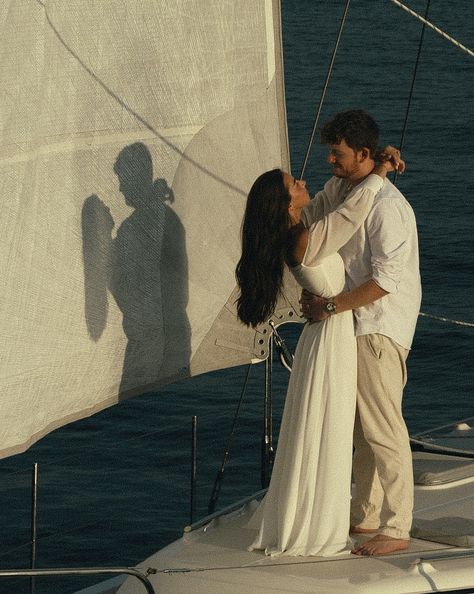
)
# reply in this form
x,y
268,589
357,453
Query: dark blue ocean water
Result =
x,y
115,487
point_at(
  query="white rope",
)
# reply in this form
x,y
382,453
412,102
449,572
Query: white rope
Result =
x,y
440,319
435,28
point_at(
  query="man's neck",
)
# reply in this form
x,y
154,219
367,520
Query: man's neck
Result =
x,y
362,173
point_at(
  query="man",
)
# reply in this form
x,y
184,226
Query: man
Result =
x,y
384,291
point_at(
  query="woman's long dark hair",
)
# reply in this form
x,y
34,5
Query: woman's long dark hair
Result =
x,y
264,235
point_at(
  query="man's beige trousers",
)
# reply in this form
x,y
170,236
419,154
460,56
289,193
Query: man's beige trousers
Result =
x,y
382,464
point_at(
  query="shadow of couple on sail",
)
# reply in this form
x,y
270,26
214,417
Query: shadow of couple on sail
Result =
x,y
144,267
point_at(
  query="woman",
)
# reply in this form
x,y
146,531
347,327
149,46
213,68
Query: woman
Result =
x,y
306,509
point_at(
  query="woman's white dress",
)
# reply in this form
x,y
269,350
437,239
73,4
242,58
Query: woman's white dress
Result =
x,y
306,509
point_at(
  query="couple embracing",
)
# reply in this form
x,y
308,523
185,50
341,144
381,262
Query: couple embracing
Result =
x,y
354,251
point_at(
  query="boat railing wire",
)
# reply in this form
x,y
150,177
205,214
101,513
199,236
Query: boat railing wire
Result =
x,y
447,320
81,571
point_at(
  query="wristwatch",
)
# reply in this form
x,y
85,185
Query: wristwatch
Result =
x,y
330,307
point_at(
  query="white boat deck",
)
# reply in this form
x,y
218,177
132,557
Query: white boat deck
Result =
x,y
213,559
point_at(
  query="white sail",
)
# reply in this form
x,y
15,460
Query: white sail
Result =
x,y
130,133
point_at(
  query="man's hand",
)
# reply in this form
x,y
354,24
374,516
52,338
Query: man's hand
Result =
x,y
312,307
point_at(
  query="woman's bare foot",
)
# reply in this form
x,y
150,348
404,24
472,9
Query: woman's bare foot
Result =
x,y
359,530
381,545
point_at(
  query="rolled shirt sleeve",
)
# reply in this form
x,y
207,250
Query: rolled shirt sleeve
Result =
x,y
385,249
388,238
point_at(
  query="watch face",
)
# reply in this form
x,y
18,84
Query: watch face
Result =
x,y
330,307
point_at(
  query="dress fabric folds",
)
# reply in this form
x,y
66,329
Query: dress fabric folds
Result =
x,y
306,509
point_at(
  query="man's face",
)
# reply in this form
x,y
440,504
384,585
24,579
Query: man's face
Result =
x,y
343,160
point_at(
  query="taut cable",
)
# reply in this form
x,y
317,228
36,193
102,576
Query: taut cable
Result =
x,y
405,123
326,83
434,27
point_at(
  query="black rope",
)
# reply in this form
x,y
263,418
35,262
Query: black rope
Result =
x,y
326,83
286,356
266,451
220,474
405,124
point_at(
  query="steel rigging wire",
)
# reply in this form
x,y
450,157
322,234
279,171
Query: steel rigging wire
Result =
x,y
426,23
326,84
410,95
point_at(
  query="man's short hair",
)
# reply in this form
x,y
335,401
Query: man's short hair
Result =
x,y
356,127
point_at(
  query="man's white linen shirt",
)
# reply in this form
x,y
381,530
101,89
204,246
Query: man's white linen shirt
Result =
x,y
384,249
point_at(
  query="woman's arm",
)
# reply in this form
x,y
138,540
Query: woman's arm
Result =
x,y
329,234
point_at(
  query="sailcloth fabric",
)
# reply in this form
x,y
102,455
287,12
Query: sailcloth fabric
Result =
x,y
130,133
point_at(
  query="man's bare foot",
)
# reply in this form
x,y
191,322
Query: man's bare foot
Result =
x,y
359,530
381,545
